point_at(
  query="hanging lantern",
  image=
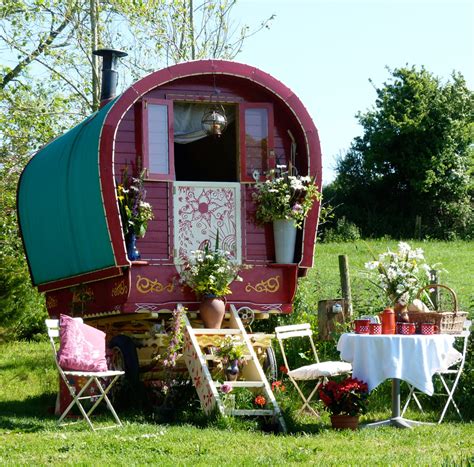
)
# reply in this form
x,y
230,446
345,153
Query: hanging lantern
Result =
x,y
214,121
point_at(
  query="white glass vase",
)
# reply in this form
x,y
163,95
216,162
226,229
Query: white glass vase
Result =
x,y
284,234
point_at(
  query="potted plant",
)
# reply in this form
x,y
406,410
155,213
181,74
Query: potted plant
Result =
x,y
345,401
208,273
134,211
231,351
399,275
285,200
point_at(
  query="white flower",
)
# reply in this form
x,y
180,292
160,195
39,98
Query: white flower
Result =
x,y
404,248
372,265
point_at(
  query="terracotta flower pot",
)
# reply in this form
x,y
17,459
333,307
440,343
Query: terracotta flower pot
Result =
x,y
341,422
212,311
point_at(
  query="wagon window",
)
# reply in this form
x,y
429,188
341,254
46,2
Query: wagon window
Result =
x,y
256,123
157,132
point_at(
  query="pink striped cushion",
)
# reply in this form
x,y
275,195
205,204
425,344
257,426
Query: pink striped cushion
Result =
x,y
82,347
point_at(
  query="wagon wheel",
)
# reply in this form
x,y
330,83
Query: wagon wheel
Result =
x,y
270,365
124,357
247,315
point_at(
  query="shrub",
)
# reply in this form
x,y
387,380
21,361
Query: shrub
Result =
x,y
344,231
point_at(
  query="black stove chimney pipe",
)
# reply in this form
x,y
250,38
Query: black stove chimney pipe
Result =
x,y
109,73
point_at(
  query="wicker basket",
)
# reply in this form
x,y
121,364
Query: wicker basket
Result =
x,y
448,322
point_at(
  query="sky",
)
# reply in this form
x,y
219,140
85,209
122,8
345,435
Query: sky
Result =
x,y
327,50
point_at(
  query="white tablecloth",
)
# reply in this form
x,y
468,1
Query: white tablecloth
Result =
x,y
414,358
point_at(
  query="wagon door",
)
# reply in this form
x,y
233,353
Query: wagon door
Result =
x,y
201,210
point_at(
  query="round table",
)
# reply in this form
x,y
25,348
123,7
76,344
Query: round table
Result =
x,y
414,358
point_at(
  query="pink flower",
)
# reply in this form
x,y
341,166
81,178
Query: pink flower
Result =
x,y
226,388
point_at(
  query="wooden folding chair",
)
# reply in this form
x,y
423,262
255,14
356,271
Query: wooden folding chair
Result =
x,y
92,377
450,375
318,371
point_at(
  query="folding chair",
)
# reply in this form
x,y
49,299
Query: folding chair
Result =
x,y
318,371
454,369
92,377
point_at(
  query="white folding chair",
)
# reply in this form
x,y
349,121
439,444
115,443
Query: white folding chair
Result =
x,y
449,375
92,377
318,371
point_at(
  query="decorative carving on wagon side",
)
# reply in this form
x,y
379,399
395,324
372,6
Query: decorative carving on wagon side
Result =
x,y
120,288
145,285
203,212
270,285
51,302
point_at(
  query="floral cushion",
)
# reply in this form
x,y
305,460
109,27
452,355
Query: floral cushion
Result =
x,y
318,370
82,347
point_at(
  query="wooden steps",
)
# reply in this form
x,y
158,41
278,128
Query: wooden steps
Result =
x,y
251,376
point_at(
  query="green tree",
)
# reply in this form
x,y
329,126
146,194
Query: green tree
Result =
x,y
57,37
413,165
29,115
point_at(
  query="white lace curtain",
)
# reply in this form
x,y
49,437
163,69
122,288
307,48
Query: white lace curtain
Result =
x,y
187,121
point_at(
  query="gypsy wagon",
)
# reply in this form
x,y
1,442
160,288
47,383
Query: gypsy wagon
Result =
x,y
197,184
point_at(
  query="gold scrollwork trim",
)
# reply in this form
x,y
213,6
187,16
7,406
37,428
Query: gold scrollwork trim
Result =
x,y
145,285
120,288
270,285
51,302
82,294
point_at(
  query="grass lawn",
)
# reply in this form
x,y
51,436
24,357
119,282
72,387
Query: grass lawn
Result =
x,y
28,381
29,434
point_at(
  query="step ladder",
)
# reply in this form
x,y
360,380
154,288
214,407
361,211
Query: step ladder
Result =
x,y
252,374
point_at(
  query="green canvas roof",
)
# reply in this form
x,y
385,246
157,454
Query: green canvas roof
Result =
x,y
60,206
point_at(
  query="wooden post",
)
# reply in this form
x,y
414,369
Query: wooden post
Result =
x,y
330,313
345,283
323,333
418,227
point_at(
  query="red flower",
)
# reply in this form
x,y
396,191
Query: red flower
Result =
x,y
260,401
284,369
347,397
278,386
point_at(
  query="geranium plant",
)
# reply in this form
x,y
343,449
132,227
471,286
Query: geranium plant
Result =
x,y
260,401
399,274
348,397
209,272
134,210
285,196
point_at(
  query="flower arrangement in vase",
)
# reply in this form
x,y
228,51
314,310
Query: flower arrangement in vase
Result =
x,y
399,275
135,212
231,351
284,199
345,401
209,272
